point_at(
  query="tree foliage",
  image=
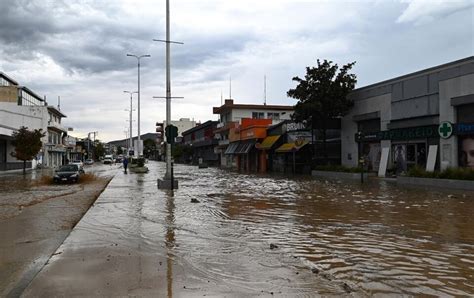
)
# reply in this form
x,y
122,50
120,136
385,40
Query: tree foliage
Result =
x,y
322,95
99,149
27,144
149,147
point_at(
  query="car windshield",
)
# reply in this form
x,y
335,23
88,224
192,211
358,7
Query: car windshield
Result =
x,y
68,168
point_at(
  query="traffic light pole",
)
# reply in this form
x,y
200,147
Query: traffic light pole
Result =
x,y
168,174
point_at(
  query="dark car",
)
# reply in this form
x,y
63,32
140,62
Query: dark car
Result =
x,y
67,173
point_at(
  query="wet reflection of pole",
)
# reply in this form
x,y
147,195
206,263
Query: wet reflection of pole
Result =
x,y
170,241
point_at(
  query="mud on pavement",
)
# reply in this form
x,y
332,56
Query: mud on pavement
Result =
x,y
35,218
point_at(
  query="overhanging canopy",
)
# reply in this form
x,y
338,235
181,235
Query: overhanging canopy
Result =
x,y
290,147
245,148
231,148
268,142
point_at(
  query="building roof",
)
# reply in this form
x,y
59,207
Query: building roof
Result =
x,y
229,105
199,127
12,81
453,64
54,110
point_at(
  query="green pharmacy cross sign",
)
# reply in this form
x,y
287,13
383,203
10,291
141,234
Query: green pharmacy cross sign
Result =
x,y
445,130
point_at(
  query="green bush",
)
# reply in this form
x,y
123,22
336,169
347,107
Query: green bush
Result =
x,y
336,168
141,162
449,173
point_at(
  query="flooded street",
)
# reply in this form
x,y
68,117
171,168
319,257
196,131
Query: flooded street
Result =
x,y
380,238
264,235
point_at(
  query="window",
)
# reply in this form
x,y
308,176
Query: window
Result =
x,y
258,115
274,116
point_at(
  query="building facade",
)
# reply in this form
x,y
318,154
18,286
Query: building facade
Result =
x,y
231,116
432,109
20,106
202,142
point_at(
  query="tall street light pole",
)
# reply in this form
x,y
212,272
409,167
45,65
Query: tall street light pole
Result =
x,y
131,109
138,60
168,87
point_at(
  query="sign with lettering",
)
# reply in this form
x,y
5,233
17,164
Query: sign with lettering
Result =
x,y
421,132
293,126
464,129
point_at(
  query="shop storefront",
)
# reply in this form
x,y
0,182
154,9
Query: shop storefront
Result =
x,y
409,147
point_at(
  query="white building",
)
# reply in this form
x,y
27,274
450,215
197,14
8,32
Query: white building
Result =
x,y
19,106
182,124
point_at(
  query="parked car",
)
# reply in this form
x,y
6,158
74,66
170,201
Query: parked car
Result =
x,y
77,162
67,173
108,159
89,161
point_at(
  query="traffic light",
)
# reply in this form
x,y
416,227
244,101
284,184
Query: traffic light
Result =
x,y
159,130
171,133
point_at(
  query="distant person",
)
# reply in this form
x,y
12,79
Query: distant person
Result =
x,y
467,152
125,163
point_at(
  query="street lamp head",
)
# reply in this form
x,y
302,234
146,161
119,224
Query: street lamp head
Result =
x,y
131,55
145,56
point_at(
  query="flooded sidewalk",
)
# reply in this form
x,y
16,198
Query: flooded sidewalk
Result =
x,y
253,235
35,218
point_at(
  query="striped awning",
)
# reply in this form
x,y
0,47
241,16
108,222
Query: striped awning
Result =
x,y
231,148
268,142
245,148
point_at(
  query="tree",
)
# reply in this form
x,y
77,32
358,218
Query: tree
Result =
x,y
119,150
99,149
27,144
149,147
322,95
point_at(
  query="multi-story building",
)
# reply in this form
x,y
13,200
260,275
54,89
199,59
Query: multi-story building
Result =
x,y
201,139
230,120
432,109
55,147
20,106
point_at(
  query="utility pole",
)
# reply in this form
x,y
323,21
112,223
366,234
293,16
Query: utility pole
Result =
x,y
138,60
131,110
168,174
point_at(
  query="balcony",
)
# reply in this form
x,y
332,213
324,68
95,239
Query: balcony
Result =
x,y
56,127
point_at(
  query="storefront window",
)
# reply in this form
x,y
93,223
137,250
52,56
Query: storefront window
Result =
x,y
465,114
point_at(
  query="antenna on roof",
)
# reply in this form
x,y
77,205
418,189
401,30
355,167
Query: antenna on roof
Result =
x,y
265,90
230,87
59,103
221,97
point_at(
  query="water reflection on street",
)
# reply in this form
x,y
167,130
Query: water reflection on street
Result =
x,y
378,238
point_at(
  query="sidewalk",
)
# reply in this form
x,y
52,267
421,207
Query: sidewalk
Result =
x,y
137,240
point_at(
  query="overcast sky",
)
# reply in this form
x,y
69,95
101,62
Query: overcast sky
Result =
x,y
77,50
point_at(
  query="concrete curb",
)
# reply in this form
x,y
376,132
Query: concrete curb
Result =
x,y
439,183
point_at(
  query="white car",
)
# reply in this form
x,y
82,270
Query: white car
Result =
x,y
79,163
108,159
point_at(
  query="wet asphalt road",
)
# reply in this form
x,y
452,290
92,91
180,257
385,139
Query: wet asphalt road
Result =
x,y
332,237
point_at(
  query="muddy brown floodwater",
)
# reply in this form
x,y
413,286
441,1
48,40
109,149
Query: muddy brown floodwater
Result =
x,y
379,238
252,235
